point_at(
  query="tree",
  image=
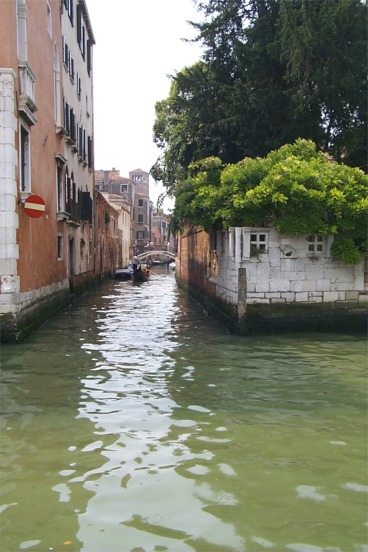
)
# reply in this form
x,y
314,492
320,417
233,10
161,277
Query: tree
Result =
x,y
324,45
296,188
272,71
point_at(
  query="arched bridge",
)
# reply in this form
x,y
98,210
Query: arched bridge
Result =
x,y
150,253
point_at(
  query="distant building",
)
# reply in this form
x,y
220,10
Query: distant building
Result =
x,y
135,191
123,213
161,236
142,208
110,181
149,227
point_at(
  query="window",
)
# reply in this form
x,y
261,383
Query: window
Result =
x,y
68,61
25,173
140,203
57,87
124,188
90,152
82,243
79,86
89,57
60,246
49,19
81,31
69,121
315,243
69,6
140,235
65,50
140,219
59,191
71,68
258,243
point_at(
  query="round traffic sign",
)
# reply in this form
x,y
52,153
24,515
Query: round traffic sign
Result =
x,y
34,206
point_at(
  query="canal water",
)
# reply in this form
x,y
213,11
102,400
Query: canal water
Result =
x,y
132,422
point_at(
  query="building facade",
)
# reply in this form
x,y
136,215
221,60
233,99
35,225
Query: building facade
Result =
x,y
256,280
134,191
142,209
76,193
46,155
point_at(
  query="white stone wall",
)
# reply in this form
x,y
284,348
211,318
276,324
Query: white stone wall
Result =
x,y
9,250
285,273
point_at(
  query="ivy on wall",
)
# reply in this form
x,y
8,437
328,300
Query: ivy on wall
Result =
x,y
295,188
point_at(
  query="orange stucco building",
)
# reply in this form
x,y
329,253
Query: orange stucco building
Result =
x,y
45,151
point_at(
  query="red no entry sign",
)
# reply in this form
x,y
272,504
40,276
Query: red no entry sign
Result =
x,y
34,206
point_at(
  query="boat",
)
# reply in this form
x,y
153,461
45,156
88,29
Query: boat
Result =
x,y
172,266
124,273
141,274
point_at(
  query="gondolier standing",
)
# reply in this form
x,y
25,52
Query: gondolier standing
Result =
x,y
135,262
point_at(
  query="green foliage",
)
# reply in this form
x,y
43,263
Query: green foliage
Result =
x,y
295,188
346,250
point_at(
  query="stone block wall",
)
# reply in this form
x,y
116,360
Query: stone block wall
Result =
x,y
286,272
257,281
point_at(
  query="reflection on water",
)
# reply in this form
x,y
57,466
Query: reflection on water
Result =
x,y
133,423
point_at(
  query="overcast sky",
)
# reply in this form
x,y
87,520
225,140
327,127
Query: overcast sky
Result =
x,y
138,43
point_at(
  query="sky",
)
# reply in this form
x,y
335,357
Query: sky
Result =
x,y
138,44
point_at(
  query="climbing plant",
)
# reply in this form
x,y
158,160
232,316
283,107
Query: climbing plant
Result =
x,y
295,188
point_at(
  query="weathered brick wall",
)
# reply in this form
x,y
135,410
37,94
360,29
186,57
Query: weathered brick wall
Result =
x,y
193,255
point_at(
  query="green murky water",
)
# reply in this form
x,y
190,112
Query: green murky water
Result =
x,y
131,422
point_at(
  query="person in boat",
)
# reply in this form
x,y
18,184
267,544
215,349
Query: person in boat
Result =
x,y
135,262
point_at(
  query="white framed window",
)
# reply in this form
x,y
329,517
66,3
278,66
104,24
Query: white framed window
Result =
x,y
25,160
258,242
57,87
315,244
49,19
59,188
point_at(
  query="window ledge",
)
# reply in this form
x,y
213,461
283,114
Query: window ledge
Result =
x,y
74,223
24,196
62,216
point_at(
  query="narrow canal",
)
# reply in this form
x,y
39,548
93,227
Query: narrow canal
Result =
x,y
131,422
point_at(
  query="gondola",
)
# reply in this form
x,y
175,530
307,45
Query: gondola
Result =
x,y
141,274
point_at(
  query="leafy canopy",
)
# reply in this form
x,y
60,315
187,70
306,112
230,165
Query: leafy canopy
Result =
x,y
271,71
295,188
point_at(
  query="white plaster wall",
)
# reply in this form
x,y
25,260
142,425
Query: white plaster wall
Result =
x,y
14,303
273,277
9,222
83,176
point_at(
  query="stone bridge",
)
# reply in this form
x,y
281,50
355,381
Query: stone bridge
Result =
x,y
150,253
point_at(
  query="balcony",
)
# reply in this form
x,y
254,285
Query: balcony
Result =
x,y
81,210
26,101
